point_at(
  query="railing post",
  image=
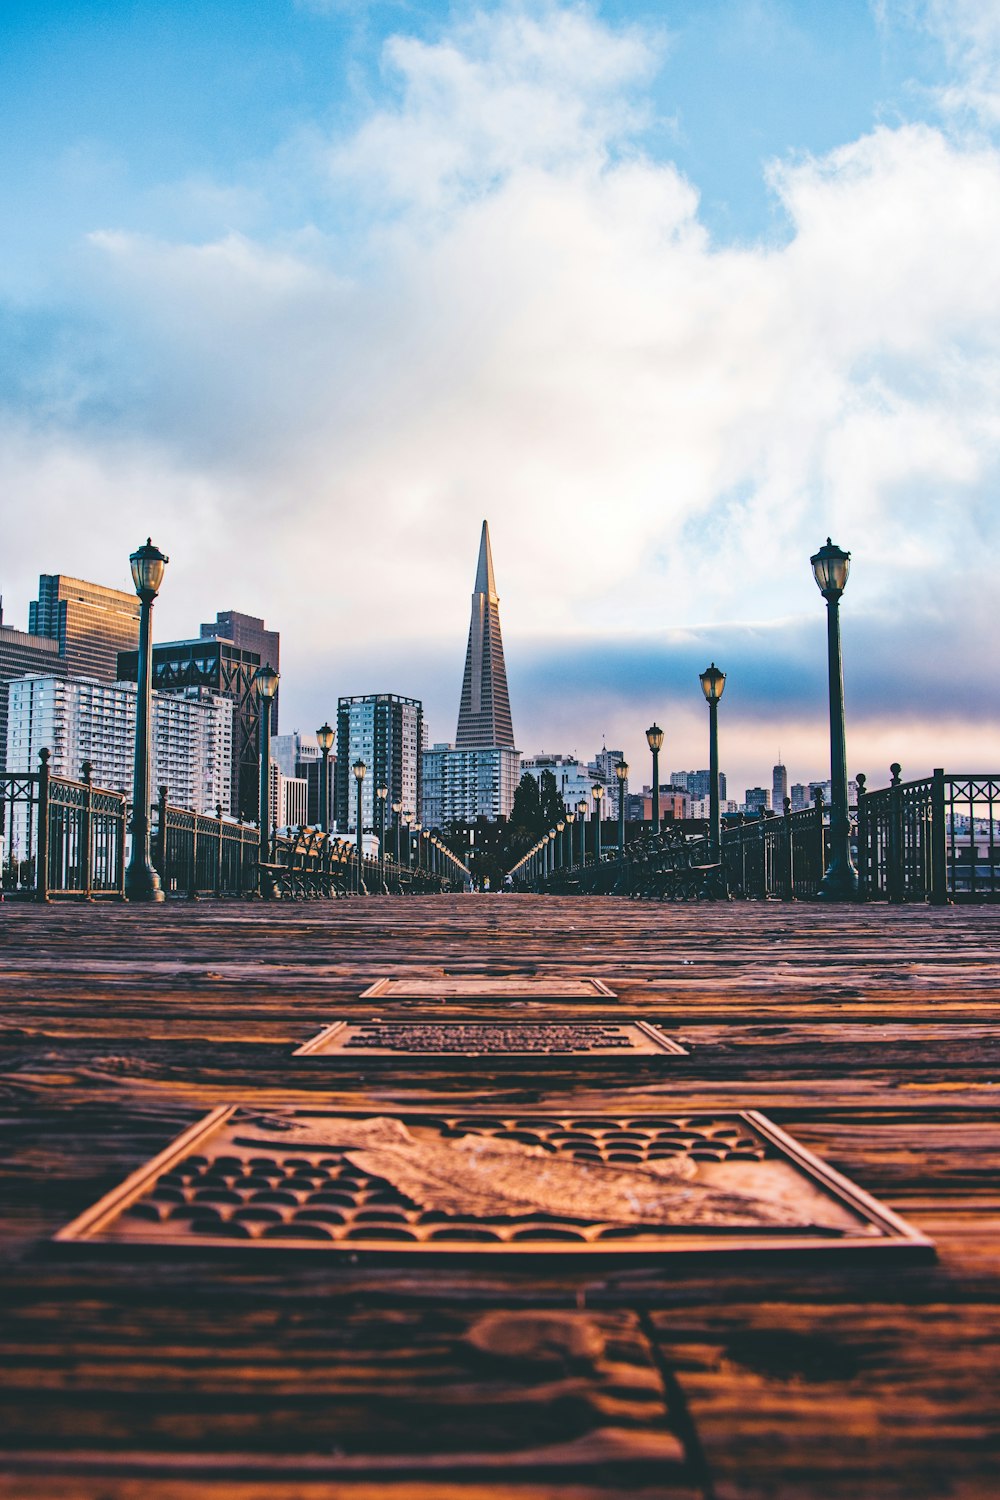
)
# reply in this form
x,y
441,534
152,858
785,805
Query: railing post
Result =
x,y
87,834
895,882
122,831
820,831
217,883
160,844
865,852
939,841
42,837
789,872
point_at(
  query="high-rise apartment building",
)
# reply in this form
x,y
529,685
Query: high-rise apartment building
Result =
x,y
228,671
91,623
80,719
386,732
460,786
248,633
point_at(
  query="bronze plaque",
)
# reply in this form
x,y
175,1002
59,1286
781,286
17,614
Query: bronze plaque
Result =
x,y
471,1038
507,1183
485,987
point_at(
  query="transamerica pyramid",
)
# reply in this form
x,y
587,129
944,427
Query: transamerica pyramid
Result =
x,y
484,714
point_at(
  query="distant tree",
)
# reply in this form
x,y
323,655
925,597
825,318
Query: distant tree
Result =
x,y
551,805
526,814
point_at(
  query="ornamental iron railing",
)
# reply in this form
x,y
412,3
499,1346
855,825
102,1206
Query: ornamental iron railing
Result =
x,y
936,839
70,839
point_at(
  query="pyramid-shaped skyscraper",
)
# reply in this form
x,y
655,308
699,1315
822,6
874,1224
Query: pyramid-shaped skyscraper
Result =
x,y
484,713
478,775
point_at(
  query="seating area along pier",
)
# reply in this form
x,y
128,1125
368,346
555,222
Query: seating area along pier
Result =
x,y
866,1033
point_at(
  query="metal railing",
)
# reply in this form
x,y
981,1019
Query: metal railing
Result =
x,y
936,839
70,839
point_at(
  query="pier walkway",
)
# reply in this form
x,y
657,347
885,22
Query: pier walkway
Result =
x,y
187,1372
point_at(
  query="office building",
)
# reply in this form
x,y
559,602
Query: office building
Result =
x,y
756,800
698,783
248,633
299,755
461,786
227,671
573,779
81,719
602,768
20,653
91,624
386,732
779,787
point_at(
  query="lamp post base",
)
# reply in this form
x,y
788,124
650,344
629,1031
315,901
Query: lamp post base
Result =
x,y
143,884
840,883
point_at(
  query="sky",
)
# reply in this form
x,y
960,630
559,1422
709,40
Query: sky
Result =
x,y
305,289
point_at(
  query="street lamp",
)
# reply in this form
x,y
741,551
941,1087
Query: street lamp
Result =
x,y
712,684
415,830
381,792
266,682
407,815
581,808
570,820
840,883
359,769
142,883
621,771
654,739
561,842
597,793
397,808
324,737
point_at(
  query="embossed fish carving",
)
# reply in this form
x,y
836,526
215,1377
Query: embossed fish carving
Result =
x,y
483,1175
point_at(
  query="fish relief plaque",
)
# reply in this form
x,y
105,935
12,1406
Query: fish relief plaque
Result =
x,y
505,1184
494,1039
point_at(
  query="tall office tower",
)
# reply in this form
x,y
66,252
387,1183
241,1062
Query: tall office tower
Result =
x,y
386,732
484,713
224,669
299,755
247,633
21,653
91,623
698,783
80,719
779,787
477,776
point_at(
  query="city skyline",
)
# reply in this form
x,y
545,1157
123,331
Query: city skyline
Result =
x,y
669,294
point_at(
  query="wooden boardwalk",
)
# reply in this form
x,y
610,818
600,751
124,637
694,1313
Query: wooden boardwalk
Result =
x,y
869,1033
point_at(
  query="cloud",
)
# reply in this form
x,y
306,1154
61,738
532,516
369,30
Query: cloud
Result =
x,y
509,307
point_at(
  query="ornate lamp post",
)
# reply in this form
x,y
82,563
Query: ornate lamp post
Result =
x,y
654,739
570,820
397,808
561,842
266,683
581,808
324,737
621,771
381,793
840,883
359,768
141,881
712,683
597,793
415,829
